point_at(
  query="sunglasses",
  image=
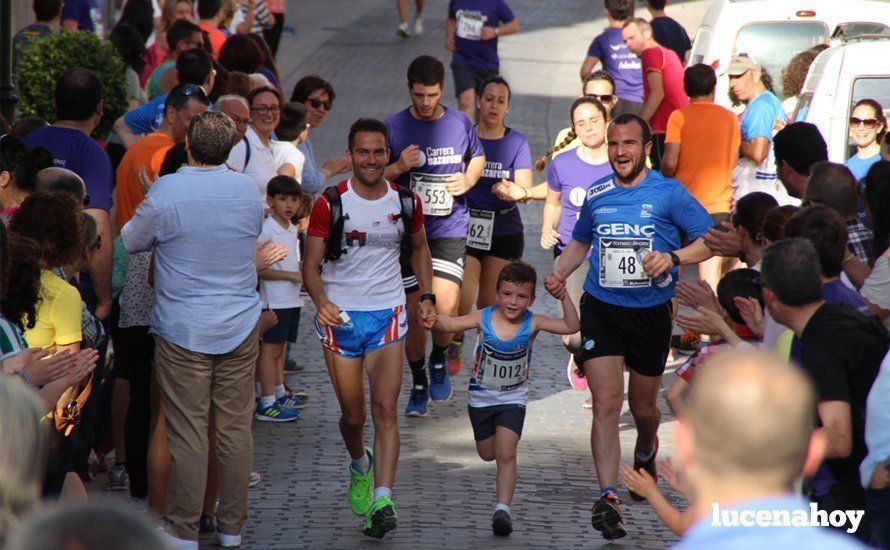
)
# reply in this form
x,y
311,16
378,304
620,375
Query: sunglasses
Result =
x,y
605,98
869,123
318,104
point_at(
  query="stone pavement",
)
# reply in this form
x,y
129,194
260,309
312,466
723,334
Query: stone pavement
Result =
x,y
444,493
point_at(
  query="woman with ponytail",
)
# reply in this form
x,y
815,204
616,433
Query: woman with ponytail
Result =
x,y
600,86
496,233
568,178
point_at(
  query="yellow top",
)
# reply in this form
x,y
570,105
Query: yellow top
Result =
x,y
58,314
782,347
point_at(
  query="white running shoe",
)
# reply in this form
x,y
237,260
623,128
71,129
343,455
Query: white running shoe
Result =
x,y
418,26
227,541
402,31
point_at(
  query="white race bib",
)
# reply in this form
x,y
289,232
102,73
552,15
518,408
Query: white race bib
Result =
x,y
434,197
481,227
619,265
469,25
502,371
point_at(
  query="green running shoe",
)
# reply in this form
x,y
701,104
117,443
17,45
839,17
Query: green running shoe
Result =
x,y
360,493
381,518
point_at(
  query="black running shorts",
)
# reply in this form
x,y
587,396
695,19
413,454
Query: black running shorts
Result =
x,y
505,247
641,335
485,420
449,255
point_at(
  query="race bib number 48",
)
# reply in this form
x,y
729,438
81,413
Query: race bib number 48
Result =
x,y
619,265
481,227
434,197
469,25
502,371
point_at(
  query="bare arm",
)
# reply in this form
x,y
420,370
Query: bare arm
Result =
x,y
328,312
757,149
123,132
670,159
509,28
857,270
572,257
474,171
550,219
422,261
446,323
450,26
280,275
569,324
100,269
590,63
837,427
656,94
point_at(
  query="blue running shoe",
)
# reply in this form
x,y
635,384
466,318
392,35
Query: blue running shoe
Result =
x,y
420,396
291,402
276,413
440,382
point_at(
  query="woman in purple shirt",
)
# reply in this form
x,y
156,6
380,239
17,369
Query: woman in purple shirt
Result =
x,y
496,235
569,176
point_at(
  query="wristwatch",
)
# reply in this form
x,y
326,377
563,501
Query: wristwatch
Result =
x,y
674,259
430,297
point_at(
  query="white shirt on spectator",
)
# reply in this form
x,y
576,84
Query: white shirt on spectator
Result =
x,y
282,294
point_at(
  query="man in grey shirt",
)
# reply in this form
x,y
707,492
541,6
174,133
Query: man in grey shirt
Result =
x,y
203,222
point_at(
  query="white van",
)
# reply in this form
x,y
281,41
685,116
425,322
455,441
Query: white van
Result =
x,y
838,78
773,31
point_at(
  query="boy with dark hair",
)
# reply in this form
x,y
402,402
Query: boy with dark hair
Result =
x,y
666,30
280,291
292,130
498,389
47,13
622,65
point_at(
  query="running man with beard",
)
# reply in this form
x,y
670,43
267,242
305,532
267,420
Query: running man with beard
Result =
x,y
436,153
359,233
631,222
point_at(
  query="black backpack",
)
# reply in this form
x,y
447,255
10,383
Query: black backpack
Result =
x,y
333,242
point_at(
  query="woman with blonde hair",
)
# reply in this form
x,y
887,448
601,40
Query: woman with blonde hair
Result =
x,y
23,451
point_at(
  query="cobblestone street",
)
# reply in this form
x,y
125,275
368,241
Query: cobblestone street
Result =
x,y
444,492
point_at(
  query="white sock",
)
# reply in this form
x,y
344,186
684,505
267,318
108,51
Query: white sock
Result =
x,y
503,507
267,401
279,391
381,492
363,464
259,390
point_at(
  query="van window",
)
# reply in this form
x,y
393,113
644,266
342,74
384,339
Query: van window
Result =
x,y
803,107
868,87
700,45
774,44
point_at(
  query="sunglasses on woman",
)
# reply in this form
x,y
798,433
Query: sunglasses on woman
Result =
x,y
869,123
318,104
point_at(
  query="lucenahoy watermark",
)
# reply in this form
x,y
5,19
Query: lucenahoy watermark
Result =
x,y
785,518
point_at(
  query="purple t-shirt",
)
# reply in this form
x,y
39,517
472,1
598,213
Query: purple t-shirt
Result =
x,y
470,49
502,158
621,64
446,144
570,176
74,150
82,11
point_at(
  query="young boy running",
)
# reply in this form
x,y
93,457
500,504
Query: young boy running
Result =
x,y
498,390
280,289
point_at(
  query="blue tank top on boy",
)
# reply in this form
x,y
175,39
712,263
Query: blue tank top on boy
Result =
x,y
478,396
502,158
615,219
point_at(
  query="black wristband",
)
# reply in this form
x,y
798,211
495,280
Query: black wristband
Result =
x,y
674,259
430,297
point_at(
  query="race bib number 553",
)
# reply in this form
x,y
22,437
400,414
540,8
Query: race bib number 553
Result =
x,y
434,197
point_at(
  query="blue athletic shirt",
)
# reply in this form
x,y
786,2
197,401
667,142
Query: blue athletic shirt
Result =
x,y
478,396
652,215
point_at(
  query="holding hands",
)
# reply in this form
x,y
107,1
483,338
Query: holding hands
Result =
x,y
555,283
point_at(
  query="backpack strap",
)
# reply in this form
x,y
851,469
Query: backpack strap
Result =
x,y
335,239
406,198
246,153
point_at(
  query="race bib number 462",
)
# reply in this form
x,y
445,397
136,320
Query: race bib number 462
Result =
x,y
469,25
434,197
481,227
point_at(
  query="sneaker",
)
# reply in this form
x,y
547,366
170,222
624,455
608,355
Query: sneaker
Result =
x,y
577,380
360,494
118,480
291,402
452,356
303,396
227,541
255,479
417,403
606,517
174,543
649,466
276,413
402,31
588,404
686,343
418,26
440,383
381,518
207,524
501,523
291,366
